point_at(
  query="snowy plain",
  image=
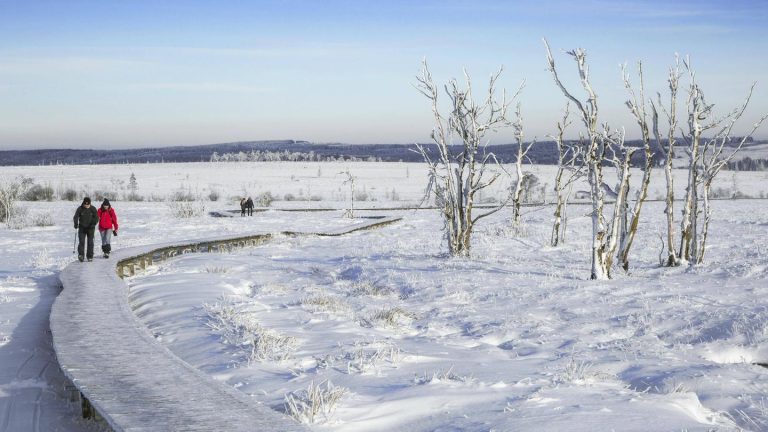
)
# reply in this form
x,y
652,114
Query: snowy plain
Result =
x,y
514,338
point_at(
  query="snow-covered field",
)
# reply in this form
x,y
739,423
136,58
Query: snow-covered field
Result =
x,y
318,184
514,338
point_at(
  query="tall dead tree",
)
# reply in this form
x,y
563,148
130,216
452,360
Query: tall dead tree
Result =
x,y
569,169
522,154
594,154
707,156
458,172
631,219
601,145
673,81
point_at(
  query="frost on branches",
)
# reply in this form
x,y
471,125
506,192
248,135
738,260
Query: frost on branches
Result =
x,y
459,169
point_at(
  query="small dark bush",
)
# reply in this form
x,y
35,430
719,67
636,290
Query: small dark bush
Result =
x,y
100,195
38,193
69,195
181,196
133,196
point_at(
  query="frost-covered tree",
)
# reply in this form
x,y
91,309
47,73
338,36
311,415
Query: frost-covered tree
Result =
x,y
569,169
522,153
601,144
460,167
520,156
10,192
630,219
350,180
673,81
707,156
132,185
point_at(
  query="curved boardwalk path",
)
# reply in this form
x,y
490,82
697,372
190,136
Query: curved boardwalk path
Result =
x,y
124,375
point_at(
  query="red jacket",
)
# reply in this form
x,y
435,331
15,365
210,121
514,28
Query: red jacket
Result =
x,y
107,219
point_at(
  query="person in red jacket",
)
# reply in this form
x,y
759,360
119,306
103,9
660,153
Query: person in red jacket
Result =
x,y
107,226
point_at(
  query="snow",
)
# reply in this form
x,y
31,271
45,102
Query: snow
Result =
x,y
514,338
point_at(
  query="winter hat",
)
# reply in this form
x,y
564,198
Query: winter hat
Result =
x,y
106,203
86,200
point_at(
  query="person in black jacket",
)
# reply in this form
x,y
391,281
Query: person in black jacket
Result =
x,y
249,206
86,218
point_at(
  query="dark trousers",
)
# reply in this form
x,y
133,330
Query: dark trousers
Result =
x,y
250,211
82,235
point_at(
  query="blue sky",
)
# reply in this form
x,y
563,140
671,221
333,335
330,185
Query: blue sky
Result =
x,y
116,74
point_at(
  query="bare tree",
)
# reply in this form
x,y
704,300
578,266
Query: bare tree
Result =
x,y
522,153
601,145
631,220
673,81
10,192
457,173
350,179
707,157
569,169
593,159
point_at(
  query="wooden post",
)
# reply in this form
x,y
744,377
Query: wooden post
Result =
x,y
88,411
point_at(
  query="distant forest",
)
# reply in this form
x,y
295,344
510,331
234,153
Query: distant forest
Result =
x,y
544,152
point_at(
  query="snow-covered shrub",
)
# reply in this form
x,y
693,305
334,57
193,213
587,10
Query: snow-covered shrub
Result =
x,y
186,209
364,356
393,317
265,199
10,192
325,303
306,406
214,195
239,328
575,371
42,220
41,259
442,376
182,196
369,288
19,218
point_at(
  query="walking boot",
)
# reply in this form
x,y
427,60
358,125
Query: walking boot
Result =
x,y
80,258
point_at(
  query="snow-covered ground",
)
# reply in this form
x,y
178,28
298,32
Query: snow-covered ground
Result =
x,y
515,338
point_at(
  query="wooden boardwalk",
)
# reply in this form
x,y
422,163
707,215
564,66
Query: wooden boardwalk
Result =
x,y
126,377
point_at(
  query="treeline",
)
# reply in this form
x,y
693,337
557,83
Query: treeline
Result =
x,y
288,156
748,164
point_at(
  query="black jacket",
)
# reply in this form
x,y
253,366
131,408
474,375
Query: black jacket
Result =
x,y
86,218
